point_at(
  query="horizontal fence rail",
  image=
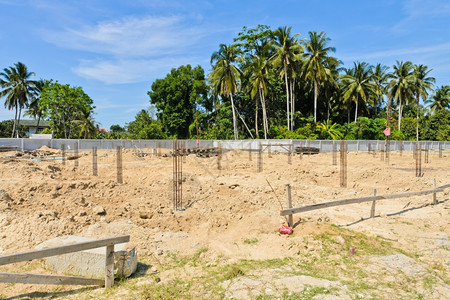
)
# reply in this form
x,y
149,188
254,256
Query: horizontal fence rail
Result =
x,y
61,279
295,210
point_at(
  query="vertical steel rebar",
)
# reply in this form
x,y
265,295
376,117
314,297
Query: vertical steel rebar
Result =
x,y
260,158
289,154
250,152
219,156
334,153
401,148
75,148
63,154
418,160
440,149
388,148
343,163
119,164
427,150
94,161
177,196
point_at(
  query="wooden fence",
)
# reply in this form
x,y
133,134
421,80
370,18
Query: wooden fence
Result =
x,y
290,211
61,279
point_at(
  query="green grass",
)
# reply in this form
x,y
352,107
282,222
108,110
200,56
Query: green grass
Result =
x,y
252,241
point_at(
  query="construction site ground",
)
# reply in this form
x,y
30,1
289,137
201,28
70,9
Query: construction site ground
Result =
x,y
226,244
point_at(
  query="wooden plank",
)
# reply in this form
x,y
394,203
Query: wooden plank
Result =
x,y
109,267
28,278
306,208
36,254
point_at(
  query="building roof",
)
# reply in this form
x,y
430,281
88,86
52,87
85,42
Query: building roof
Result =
x,y
33,123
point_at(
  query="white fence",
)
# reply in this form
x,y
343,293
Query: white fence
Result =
x,y
323,145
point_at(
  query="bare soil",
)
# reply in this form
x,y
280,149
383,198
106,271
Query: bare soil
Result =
x,y
231,215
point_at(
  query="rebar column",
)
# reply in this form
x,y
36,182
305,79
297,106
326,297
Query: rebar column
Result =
x,y
401,148
94,161
300,148
63,154
119,164
418,160
219,156
75,148
440,149
177,195
334,153
388,149
289,154
343,163
427,150
260,158
250,152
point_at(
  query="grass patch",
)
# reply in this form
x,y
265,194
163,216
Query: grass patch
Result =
x,y
252,241
176,289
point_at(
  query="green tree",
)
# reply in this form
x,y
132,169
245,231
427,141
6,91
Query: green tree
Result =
x,y
400,86
440,100
225,76
380,77
357,84
287,50
144,127
176,98
62,105
34,110
420,85
6,127
315,64
258,70
17,87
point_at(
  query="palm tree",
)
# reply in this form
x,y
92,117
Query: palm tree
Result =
x,y
420,84
34,110
258,81
315,64
225,75
86,123
17,87
287,51
400,87
440,100
357,84
380,77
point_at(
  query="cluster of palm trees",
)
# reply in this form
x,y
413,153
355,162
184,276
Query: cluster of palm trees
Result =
x,y
308,70
18,89
21,92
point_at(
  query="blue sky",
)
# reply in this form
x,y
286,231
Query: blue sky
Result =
x,y
114,49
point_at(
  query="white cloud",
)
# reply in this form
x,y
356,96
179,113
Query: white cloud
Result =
x,y
131,36
130,70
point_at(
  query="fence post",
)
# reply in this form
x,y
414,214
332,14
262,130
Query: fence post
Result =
x,y
109,266
289,203
372,210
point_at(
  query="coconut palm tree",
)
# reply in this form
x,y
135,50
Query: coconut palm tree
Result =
x,y
380,77
315,64
400,87
225,75
357,84
17,87
287,51
421,84
258,82
34,110
440,100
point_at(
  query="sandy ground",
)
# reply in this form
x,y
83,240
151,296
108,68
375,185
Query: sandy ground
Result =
x,y
43,199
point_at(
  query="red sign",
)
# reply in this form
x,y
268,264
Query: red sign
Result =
x,y
387,131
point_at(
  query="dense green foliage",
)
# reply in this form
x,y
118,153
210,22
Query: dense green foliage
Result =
x,y
267,84
68,109
176,98
6,129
